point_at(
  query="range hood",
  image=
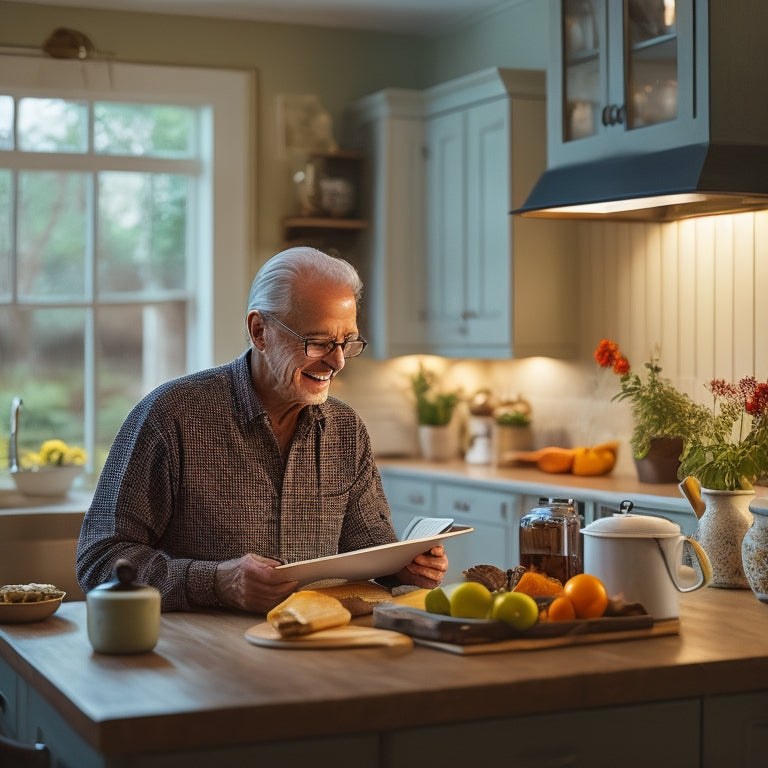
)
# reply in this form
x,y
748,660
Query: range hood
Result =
x,y
694,180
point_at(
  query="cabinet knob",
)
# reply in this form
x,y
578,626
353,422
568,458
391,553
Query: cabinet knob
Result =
x,y
613,114
462,506
416,498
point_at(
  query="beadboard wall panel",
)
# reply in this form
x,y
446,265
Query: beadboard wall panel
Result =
x,y
695,292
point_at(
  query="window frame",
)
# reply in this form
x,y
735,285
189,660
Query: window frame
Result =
x,y
223,229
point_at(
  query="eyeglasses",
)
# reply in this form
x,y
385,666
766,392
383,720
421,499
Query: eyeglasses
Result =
x,y
315,348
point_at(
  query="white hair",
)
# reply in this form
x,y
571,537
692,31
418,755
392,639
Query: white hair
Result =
x,y
273,287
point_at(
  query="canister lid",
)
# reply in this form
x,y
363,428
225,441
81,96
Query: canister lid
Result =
x,y
637,526
759,505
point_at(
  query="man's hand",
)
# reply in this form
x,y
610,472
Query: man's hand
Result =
x,y
426,570
250,583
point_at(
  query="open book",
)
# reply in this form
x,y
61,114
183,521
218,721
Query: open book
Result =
x,y
422,527
420,535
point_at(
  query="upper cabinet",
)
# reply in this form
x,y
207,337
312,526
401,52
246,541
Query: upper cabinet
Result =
x,y
390,126
623,77
454,274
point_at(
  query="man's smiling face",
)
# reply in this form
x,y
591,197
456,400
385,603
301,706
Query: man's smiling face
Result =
x,y
321,311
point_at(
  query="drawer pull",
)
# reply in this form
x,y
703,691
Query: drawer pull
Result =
x,y
416,498
462,506
28,755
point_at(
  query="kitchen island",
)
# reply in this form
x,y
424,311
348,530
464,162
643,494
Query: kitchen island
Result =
x,y
206,696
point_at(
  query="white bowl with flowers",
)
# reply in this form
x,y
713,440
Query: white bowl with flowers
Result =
x,y
49,471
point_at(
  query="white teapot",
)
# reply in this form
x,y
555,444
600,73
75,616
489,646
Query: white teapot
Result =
x,y
641,558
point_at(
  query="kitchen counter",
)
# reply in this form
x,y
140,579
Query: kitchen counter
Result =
x,y
608,489
206,688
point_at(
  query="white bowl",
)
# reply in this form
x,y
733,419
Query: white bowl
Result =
x,y
46,481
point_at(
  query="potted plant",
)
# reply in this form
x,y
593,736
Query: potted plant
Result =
x,y
434,412
726,456
665,419
512,430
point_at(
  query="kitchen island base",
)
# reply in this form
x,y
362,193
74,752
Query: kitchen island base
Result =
x,y
206,696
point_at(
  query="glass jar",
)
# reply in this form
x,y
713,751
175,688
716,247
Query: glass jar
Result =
x,y
550,541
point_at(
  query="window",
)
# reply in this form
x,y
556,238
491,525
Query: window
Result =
x,y
121,250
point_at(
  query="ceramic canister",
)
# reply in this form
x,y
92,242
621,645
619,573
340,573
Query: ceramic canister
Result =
x,y
123,616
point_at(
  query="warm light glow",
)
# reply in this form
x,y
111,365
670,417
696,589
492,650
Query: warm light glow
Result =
x,y
669,13
635,204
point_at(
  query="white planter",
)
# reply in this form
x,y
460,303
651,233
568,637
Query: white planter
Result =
x,y
438,443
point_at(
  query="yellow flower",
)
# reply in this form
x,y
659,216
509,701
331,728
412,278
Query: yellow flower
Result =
x,y
75,455
55,453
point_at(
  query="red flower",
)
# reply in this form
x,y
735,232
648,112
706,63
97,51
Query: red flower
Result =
x,y
723,388
608,355
756,404
621,366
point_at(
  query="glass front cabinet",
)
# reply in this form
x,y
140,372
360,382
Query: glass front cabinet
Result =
x,y
624,77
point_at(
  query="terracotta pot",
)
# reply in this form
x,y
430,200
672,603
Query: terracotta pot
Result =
x,y
662,462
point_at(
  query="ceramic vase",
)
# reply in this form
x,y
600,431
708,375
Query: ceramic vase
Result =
x,y
720,532
754,551
662,462
438,443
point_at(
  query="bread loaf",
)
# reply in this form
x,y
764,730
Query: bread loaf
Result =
x,y
358,597
307,611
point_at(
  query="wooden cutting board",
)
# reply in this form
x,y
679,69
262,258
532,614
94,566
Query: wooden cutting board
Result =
x,y
349,636
474,636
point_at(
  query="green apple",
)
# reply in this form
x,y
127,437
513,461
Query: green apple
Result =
x,y
517,609
470,600
437,601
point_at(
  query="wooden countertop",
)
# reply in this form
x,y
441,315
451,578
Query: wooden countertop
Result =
x,y
205,685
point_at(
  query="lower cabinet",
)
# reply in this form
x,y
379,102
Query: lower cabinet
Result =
x,y
735,730
494,516
663,734
408,498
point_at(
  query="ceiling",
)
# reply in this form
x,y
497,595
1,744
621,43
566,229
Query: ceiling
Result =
x,y
420,17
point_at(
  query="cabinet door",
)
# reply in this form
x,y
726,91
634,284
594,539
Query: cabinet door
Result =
x,y
393,200
735,730
488,256
469,258
626,76
492,514
407,498
446,230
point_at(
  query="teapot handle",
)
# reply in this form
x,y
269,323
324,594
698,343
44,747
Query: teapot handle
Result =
x,y
701,557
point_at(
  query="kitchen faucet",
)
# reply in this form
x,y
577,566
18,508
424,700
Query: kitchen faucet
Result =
x,y
12,449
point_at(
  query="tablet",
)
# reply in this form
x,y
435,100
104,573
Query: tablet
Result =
x,y
369,563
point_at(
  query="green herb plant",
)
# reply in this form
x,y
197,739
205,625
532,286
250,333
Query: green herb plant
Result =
x,y
432,408
658,409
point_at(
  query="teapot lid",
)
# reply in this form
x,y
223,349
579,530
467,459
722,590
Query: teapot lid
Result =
x,y
629,525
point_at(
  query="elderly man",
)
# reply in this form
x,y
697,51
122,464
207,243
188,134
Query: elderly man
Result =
x,y
219,476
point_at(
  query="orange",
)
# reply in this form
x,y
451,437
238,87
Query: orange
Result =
x,y
538,585
561,609
588,595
